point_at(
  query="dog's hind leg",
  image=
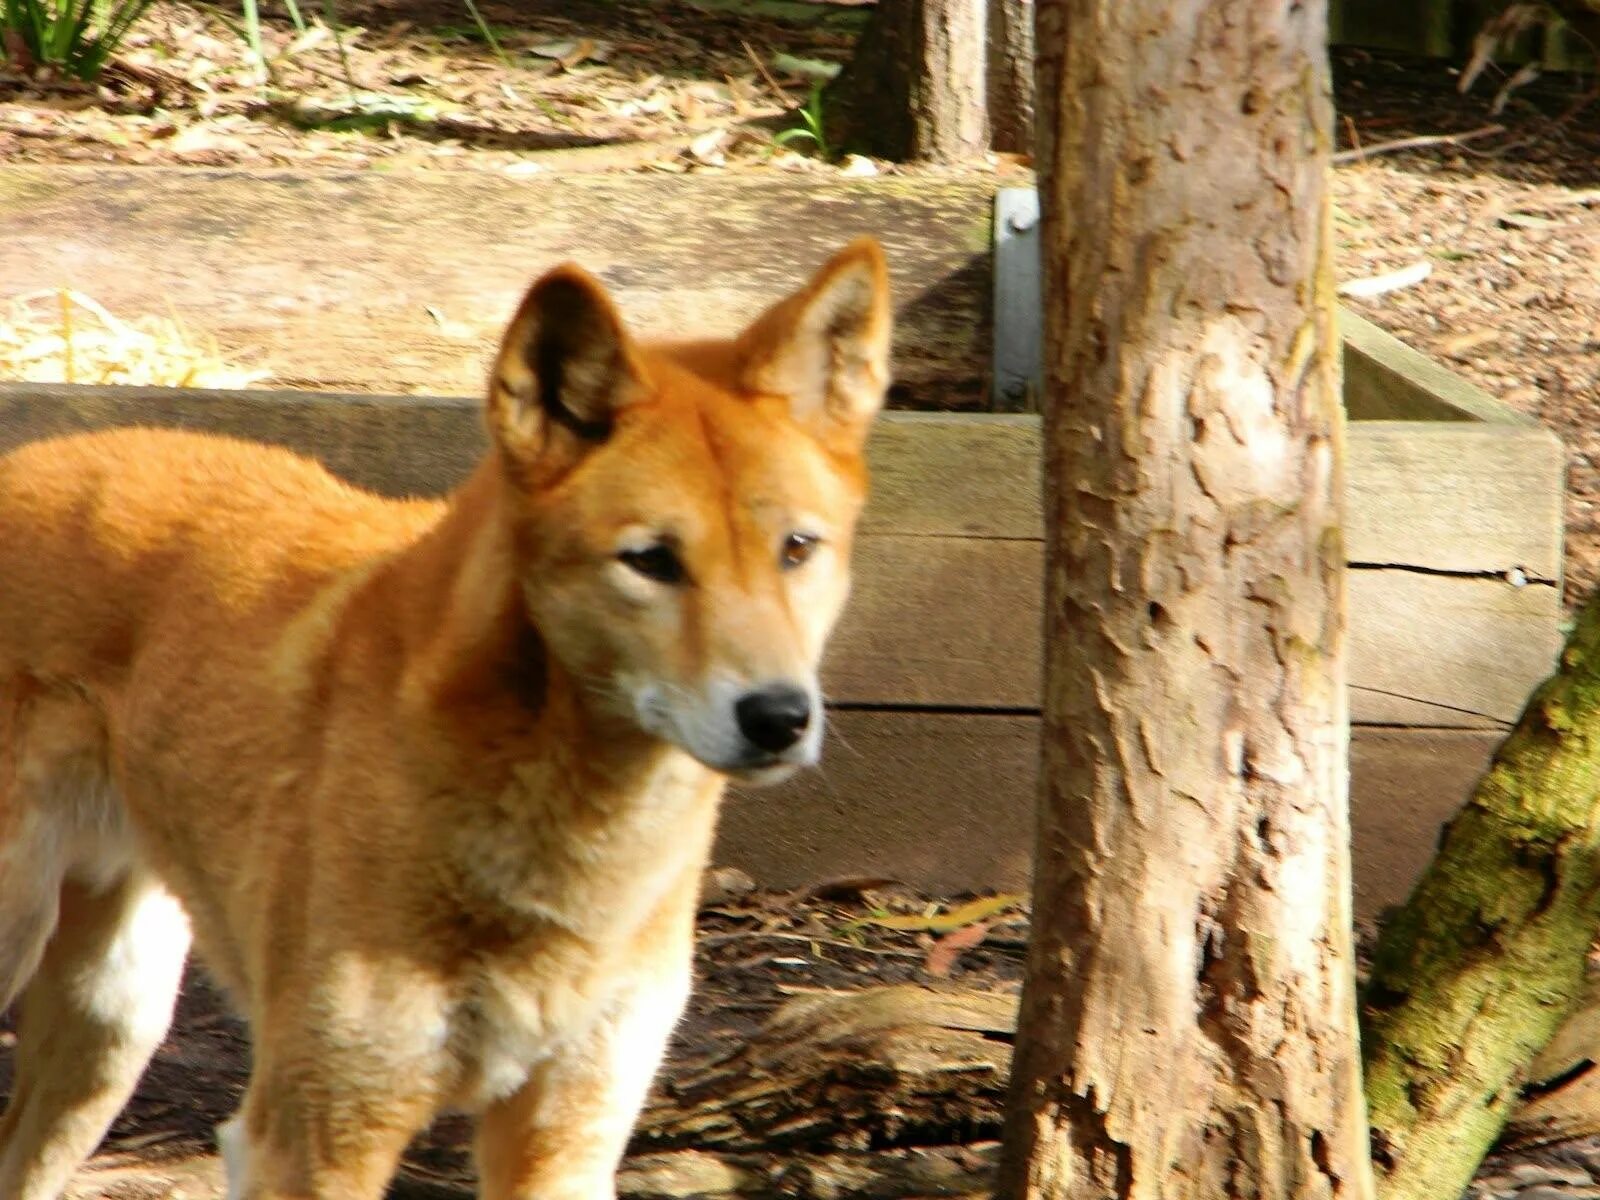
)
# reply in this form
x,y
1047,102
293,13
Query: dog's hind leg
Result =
x,y
96,1009
94,946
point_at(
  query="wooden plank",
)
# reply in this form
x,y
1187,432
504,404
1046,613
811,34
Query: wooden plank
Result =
x,y
1455,496
946,611
1404,785
945,621
956,474
394,445
945,804
1387,380
1447,496
940,801
350,306
1440,650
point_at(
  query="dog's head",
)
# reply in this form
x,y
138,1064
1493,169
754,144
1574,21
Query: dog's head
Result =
x,y
683,514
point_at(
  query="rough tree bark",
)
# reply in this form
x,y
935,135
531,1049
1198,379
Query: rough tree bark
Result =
x,y
1010,67
914,89
1188,1020
1486,959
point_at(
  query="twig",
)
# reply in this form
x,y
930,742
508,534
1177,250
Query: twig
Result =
x,y
1585,197
712,939
1416,143
772,83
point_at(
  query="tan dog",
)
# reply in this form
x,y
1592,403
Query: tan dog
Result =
x,y
433,783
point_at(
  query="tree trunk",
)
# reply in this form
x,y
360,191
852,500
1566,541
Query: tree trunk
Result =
x,y
1188,1019
1011,75
914,89
1473,976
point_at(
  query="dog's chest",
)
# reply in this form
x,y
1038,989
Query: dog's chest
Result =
x,y
503,1030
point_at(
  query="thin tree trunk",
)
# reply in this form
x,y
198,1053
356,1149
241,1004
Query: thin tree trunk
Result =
x,y
1478,970
1011,75
914,89
1188,1021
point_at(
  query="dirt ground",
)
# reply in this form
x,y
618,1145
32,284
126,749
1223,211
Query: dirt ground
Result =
x,y
1507,222
756,950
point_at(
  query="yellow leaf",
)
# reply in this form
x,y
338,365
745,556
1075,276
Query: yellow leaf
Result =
x,y
956,918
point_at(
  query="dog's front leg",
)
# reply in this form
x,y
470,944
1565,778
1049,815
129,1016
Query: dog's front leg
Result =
x,y
562,1134
326,1126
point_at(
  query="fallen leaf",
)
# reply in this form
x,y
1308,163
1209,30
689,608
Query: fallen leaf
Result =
x,y
806,68
584,49
957,918
1518,220
942,954
707,148
1458,344
1393,281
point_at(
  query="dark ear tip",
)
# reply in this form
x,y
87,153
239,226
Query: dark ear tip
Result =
x,y
566,284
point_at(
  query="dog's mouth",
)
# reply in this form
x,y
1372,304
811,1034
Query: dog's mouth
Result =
x,y
762,770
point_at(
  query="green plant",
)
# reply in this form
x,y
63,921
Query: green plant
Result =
x,y
811,125
75,37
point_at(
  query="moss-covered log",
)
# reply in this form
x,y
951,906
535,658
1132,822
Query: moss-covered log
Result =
x,y
1479,968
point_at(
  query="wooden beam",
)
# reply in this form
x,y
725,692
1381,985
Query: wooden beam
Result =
x,y
945,803
1445,518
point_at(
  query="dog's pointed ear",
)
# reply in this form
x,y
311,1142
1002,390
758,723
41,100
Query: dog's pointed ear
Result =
x,y
566,368
826,348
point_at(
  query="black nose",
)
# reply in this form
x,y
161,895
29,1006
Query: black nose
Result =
x,y
774,718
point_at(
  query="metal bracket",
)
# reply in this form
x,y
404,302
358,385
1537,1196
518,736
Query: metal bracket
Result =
x,y
1018,369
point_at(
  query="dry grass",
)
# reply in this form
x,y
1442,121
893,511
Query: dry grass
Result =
x,y
62,336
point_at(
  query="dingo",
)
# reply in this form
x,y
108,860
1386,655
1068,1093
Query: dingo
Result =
x,y
433,783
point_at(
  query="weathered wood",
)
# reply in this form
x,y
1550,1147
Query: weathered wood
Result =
x,y
943,802
940,800
847,1071
1405,784
330,279
944,621
1387,380
946,611
1440,650
1473,498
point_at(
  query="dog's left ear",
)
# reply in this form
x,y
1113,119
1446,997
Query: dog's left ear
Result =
x,y
826,348
566,368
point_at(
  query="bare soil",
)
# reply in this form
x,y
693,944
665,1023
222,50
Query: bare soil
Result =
x,y
756,950
1508,224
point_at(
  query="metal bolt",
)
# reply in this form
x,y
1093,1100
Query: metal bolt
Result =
x,y
1022,222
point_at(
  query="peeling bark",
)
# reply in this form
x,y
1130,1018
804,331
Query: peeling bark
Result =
x,y
1188,1023
1486,959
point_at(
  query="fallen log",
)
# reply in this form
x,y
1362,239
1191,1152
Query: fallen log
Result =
x,y
889,1067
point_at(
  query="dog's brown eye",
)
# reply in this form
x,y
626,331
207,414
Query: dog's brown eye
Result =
x,y
797,547
659,562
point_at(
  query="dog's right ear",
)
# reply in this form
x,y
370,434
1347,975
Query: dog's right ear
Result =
x,y
566,367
